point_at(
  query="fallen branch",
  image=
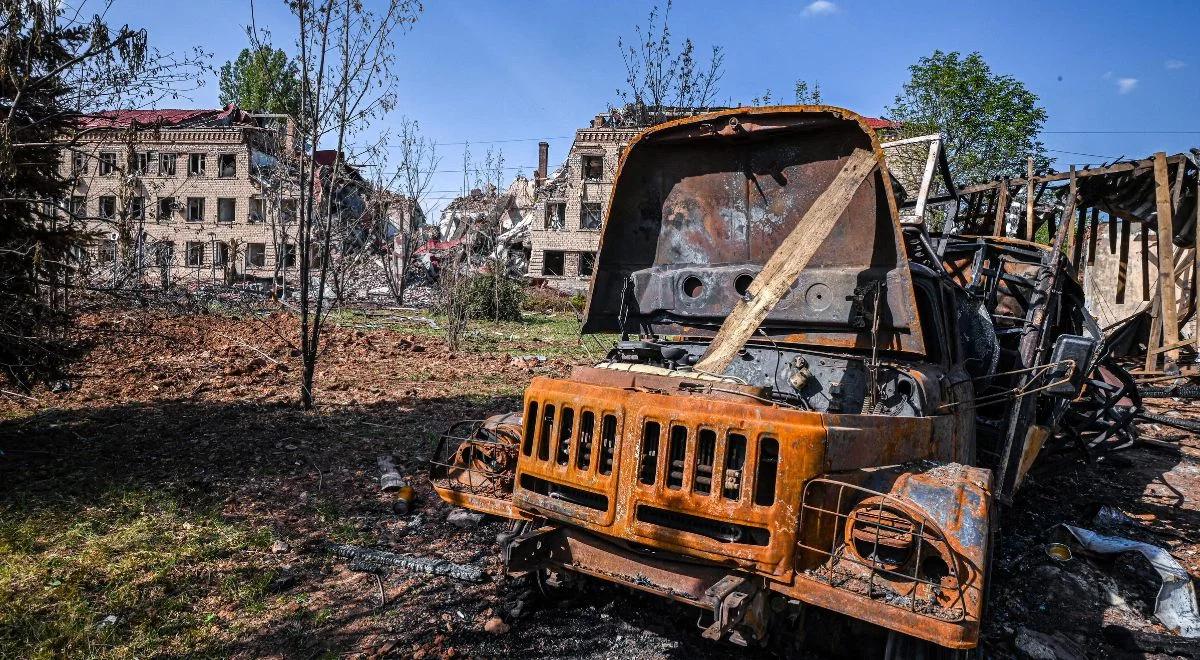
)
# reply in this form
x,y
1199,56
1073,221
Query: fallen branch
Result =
x,y
384,559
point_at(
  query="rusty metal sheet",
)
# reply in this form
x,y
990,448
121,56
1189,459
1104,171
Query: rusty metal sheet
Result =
x,y
701,202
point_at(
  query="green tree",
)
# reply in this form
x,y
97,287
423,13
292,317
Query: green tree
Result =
x,y
806,96
262,79
990,121
56,65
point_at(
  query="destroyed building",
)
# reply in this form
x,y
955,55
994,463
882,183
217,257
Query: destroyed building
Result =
x,y
573,202
572,205
183,195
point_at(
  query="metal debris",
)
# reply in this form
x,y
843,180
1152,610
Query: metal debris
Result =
x,y
383,559
1176,604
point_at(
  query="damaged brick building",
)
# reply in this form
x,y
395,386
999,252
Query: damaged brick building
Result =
x,y
572,204
173,196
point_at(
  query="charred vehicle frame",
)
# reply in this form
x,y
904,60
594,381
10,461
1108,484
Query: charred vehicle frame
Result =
x,y
815,402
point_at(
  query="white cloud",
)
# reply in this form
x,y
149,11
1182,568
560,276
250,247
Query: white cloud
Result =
x,y
820,8
1174,64
1126,85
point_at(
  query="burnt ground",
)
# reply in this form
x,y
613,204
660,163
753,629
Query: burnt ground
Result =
x,y
173,501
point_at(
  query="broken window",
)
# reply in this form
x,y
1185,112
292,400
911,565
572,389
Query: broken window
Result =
x,y
587,263
287,210
256,255
79,163
257,209
593,167
226,165
195,209
552,263
166,208
137,208
108,162
77,206
196,165
289,255
226,209
164,254
589,215
107,252
166,164
220,253
195,253
141,162
556,215
108,207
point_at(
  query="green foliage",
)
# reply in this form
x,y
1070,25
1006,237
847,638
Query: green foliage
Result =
x,y
486,296
806,96
262,80
991,121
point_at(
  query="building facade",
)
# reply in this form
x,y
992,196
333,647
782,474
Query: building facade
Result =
x,y
571,205
172,197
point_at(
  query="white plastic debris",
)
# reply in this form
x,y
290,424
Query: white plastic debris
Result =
x,y
1176,604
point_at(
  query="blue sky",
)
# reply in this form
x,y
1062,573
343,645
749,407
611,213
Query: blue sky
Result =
x,y
480,71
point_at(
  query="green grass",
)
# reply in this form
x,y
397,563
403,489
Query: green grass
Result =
x,y
540,334
160,569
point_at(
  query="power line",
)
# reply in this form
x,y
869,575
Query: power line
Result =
x,y
452,144
1138,132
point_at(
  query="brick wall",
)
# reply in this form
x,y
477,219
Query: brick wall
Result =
x,y
573,240
152,185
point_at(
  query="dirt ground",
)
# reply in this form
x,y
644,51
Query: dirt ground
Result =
x,y
170,500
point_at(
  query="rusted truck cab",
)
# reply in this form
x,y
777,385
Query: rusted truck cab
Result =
x,y
831,464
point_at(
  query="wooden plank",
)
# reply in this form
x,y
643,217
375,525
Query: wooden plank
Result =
x,y
1093,233
786,264
1166,254
1029,198
1123,262
1112,234
1155,335
1063,176
1075,246
1001,207
1145,260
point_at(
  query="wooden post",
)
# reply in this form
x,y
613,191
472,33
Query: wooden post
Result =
x,y
1145,260
1123,261
1166,256
786,264
1094,233
1001,209
1029,187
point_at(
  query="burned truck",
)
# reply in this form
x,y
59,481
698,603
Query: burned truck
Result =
x,y
814,405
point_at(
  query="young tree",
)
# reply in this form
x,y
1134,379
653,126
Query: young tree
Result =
x,y
660,78
806,96
346,79
418,160
262,79
990,121
56,64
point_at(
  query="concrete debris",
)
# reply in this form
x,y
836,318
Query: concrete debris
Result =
x,y
464,519
280,546
528,361
1040,646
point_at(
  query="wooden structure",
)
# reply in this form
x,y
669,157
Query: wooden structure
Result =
x,y
1158,193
